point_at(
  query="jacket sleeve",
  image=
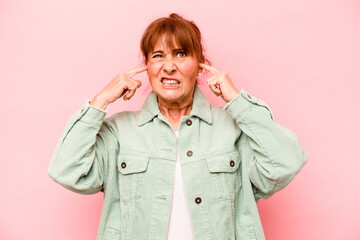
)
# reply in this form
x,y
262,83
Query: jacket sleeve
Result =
x,y
80,161
273,153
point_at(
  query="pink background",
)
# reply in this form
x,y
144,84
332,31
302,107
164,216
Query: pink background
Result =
x,y
300,57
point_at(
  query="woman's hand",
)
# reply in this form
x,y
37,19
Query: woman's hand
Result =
x,y
122,85
221,83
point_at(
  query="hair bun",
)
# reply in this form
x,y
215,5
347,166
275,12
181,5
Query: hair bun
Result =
x,y
175,15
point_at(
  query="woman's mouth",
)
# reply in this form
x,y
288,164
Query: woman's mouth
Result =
x,y
170,83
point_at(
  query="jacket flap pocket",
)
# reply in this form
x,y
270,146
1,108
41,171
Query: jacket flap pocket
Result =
x,y
132,164
225,162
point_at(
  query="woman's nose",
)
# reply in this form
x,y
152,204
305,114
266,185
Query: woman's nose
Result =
x,y
169,65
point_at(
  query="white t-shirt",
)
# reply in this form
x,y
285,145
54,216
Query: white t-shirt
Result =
x,y
180,222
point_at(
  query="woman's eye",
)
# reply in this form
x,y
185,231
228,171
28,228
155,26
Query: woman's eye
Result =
x,y
156,56
181,54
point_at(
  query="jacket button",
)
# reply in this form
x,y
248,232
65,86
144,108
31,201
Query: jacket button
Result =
x,y
123,165
232,163
249,96
189,153
198,200
188,122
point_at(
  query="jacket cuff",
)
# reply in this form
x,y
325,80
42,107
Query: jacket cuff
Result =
x,y
242,102
91,114
238,104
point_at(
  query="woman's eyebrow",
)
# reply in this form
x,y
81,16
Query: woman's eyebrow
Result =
x,y
178,49
162,52
158,51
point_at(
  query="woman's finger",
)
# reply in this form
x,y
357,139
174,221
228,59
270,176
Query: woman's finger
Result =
x,y
215,90
131,88
135,71
209,68
213,86
129,94
123,93
136,82
212,79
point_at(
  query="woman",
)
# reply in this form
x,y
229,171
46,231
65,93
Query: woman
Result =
x,y
179,168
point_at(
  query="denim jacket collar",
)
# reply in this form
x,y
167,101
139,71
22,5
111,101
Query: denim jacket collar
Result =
x,y
200,108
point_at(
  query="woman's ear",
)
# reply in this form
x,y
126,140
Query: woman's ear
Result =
x,y
200,70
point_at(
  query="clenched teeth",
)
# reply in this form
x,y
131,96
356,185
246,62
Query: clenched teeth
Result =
x,y
170,81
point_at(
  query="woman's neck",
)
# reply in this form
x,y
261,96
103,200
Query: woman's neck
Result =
x,y
174,111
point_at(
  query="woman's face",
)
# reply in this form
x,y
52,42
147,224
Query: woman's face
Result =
x,y
172,73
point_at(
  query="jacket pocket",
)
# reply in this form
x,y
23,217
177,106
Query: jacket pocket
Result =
x,y
224,174
132,169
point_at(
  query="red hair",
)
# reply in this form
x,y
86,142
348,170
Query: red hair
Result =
x,y
185,33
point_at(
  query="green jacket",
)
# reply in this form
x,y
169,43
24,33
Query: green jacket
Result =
x,y
230,158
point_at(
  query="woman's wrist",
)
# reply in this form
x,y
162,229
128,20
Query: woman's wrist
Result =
x,y
231,96
99,102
